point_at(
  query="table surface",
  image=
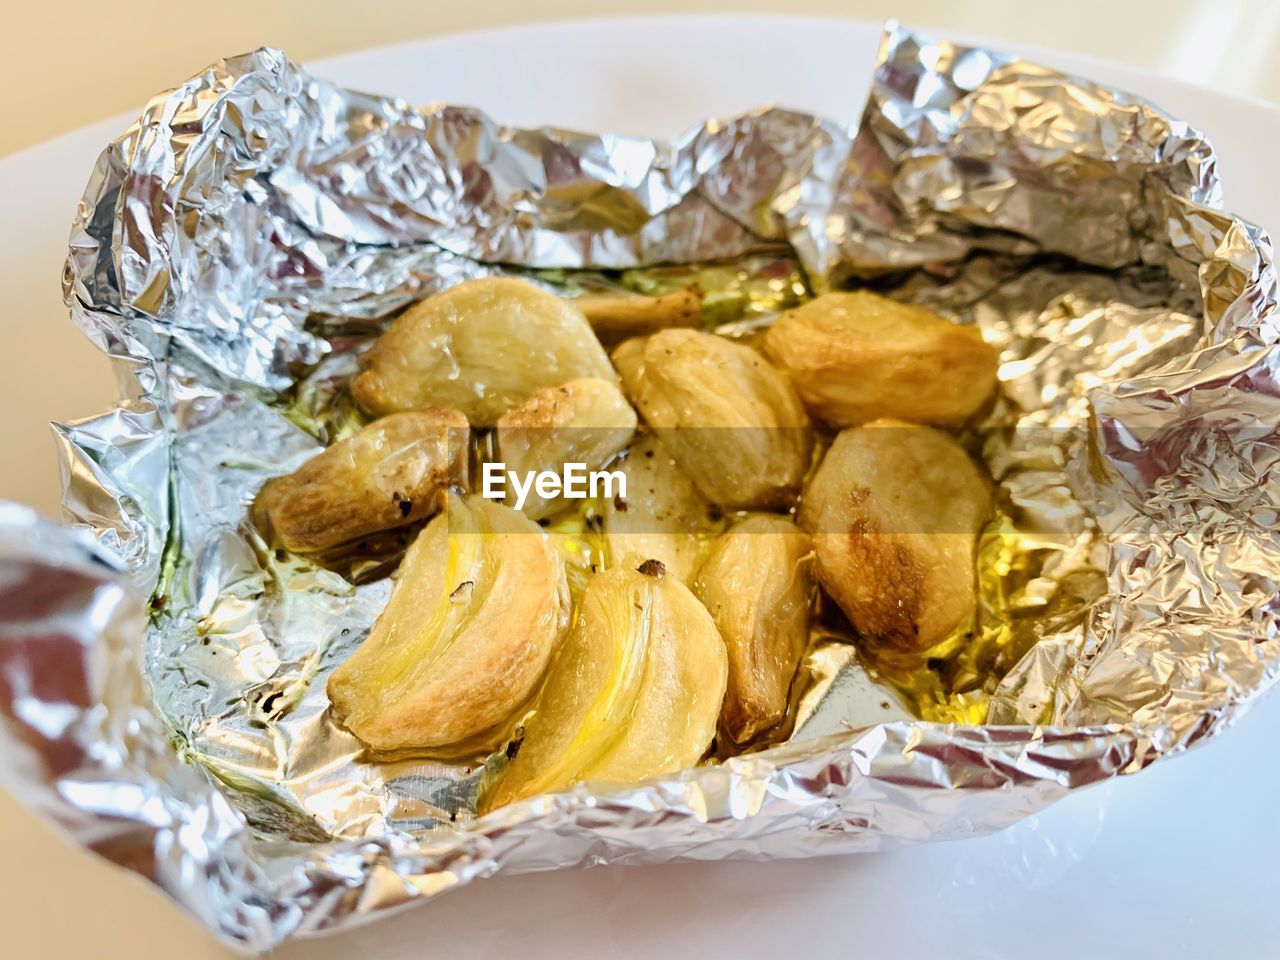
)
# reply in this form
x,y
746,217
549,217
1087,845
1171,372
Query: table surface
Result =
x,y
1206,817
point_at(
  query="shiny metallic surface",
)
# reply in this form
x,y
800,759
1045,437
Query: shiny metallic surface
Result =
x,y
258,222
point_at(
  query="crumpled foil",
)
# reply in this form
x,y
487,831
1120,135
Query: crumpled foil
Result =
x,y
256,222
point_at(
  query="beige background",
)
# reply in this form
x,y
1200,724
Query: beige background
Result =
x,y
66,64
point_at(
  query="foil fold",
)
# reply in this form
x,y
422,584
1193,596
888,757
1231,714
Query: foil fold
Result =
x,y
158,667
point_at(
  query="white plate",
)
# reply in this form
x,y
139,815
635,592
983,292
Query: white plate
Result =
x,y
1180,861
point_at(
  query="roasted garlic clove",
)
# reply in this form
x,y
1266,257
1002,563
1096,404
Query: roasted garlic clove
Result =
x,y
894,510
583,421
482,346
633,693
628,360
731,421
857,356
616,318
477,610
392,472
757,585
662,517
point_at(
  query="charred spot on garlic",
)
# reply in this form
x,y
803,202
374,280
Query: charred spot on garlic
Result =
x,y
653,568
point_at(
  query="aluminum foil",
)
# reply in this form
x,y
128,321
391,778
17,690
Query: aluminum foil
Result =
x,y
159,669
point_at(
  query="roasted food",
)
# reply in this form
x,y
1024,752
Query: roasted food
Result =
x,y
730,420
616,318
757,585
477,610
393,472
679,627
894,510
633,693
857,356
662,517
583,421
482,346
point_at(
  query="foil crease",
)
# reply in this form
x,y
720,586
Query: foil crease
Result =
x,y
257,220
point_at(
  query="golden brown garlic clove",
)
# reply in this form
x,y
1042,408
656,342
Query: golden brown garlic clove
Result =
x,y
633,693
393,472
857,356
894,510
662,516
479,605
757,585
730,420
616,318
583,421
482,346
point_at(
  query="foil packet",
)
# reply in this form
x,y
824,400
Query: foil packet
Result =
x,y
161,691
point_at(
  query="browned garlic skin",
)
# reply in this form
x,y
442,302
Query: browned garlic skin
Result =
x,y
731,421
483,346
477,610
615,318
854,357
392,472
757,585
894,510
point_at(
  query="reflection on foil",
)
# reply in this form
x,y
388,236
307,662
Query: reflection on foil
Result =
x,y
258,225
